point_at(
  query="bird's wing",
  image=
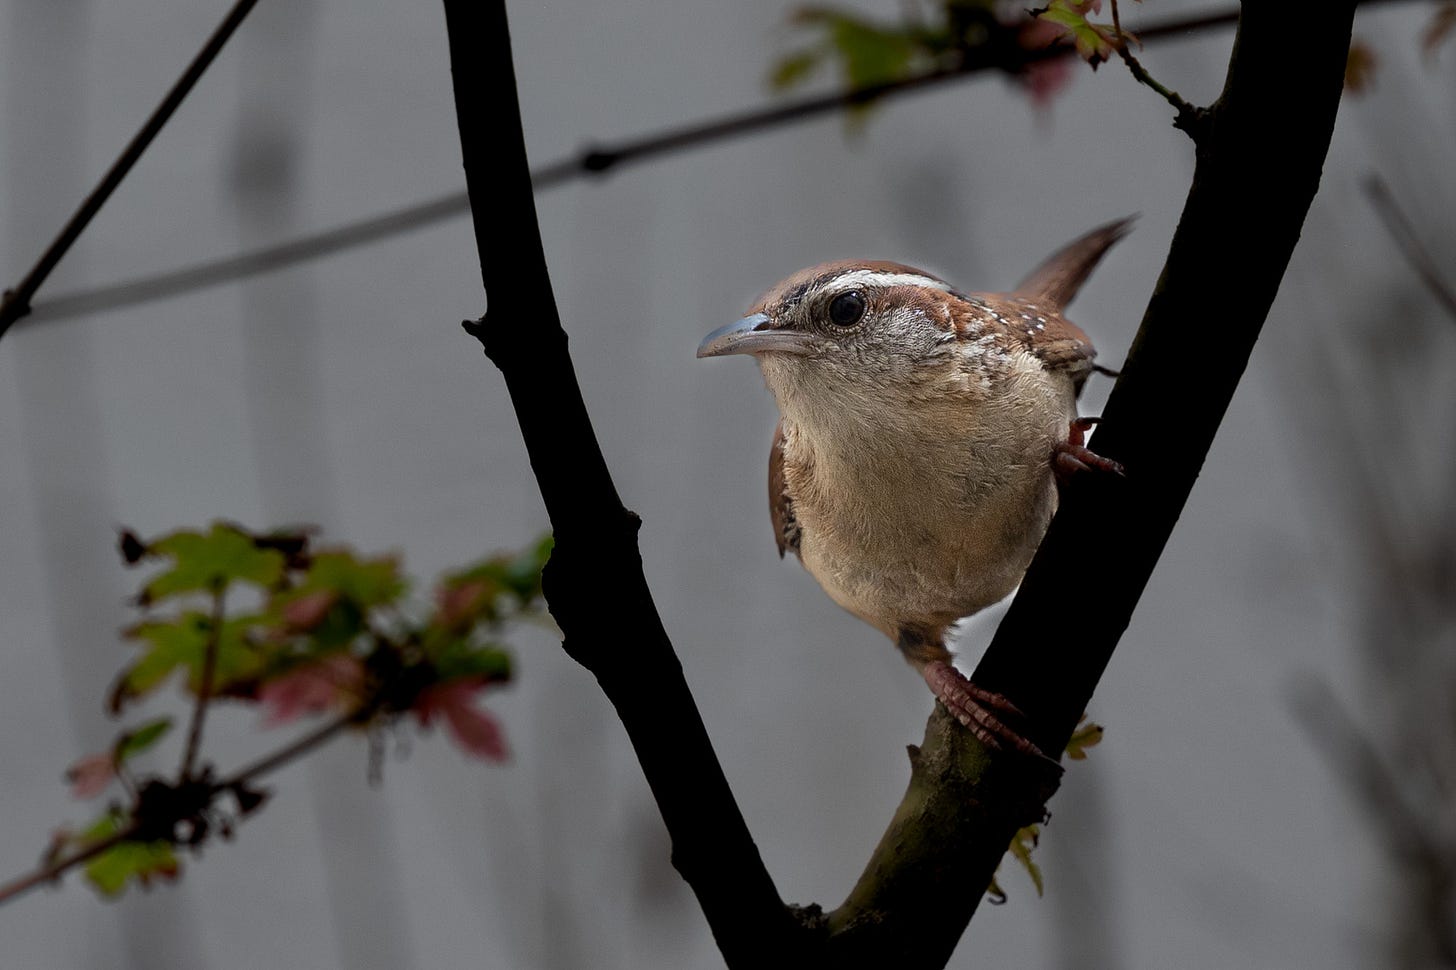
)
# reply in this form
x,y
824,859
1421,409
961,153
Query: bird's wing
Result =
x,y
1058,343
1030,317
1053,284
780,505
1010,322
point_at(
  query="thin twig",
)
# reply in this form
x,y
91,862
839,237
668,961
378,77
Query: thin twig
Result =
x,y
1358,763
594,160
55,870
302,746
1187,113
1404,233
16,302
243,776
204,687
351,235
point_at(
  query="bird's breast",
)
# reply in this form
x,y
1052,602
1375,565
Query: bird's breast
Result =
x,y
918,516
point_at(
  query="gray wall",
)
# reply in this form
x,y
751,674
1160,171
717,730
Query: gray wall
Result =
x,y
1205,832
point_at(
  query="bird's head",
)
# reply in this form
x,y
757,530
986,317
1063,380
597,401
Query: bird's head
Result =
x,y
852,333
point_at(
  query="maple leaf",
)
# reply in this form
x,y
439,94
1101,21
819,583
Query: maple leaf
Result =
x,y
209,562
1021,845
1043,79
126,862
312,688
1087,735
182,642
1094,42
90,776
309,610
475,731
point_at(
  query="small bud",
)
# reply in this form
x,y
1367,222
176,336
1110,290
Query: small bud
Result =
x,y
132,548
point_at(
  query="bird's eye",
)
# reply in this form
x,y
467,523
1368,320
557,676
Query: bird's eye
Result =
x,y
846,309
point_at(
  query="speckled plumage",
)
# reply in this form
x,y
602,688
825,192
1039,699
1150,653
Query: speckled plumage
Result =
x,y
911,470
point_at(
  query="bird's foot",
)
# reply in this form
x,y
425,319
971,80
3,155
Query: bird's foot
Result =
x,y
984,713
1072,457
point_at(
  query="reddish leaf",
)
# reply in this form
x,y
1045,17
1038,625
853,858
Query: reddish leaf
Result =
x,y
474,730
1044,79
459,606
309,610
91,775
312,688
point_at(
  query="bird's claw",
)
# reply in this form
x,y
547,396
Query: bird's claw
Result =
x,y
982,712
1072,457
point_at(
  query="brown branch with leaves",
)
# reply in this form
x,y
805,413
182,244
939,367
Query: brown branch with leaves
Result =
x,y
320,631
926,879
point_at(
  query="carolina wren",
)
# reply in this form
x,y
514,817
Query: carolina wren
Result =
x,y
922,435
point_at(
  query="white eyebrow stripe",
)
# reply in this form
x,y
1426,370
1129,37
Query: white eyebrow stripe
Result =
x,y
870,277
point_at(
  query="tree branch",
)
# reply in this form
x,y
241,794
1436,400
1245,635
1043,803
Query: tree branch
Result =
x,y
16,302
594,160
204,687
1259,154
595,569
591,161
1405,237
1258,166
244,776
929,873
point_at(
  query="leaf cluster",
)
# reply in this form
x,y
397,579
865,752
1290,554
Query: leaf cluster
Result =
x,y
266,619
948,35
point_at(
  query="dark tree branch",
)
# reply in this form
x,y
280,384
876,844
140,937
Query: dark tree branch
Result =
x,y
1260,148
16,302
1258,166
595,568
1266,137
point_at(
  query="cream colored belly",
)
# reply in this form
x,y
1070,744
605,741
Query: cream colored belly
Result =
x,y
913,526
931,561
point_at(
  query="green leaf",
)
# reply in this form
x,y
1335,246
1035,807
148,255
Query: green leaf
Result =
x,y
1086,736
136,741
127,862
182,642
486,591
794,68
868,53
1094,42
211,562
331,603
461,659
365,582
1021,845
523,573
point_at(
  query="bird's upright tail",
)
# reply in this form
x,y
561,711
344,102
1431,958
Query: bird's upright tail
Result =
x,y
1053,284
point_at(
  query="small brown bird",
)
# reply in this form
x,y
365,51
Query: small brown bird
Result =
x,y
922,436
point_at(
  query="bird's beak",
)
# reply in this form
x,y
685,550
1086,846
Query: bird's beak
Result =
x,y
754,334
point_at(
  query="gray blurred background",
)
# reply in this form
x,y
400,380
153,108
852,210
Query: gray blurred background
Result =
x,y
1213,828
